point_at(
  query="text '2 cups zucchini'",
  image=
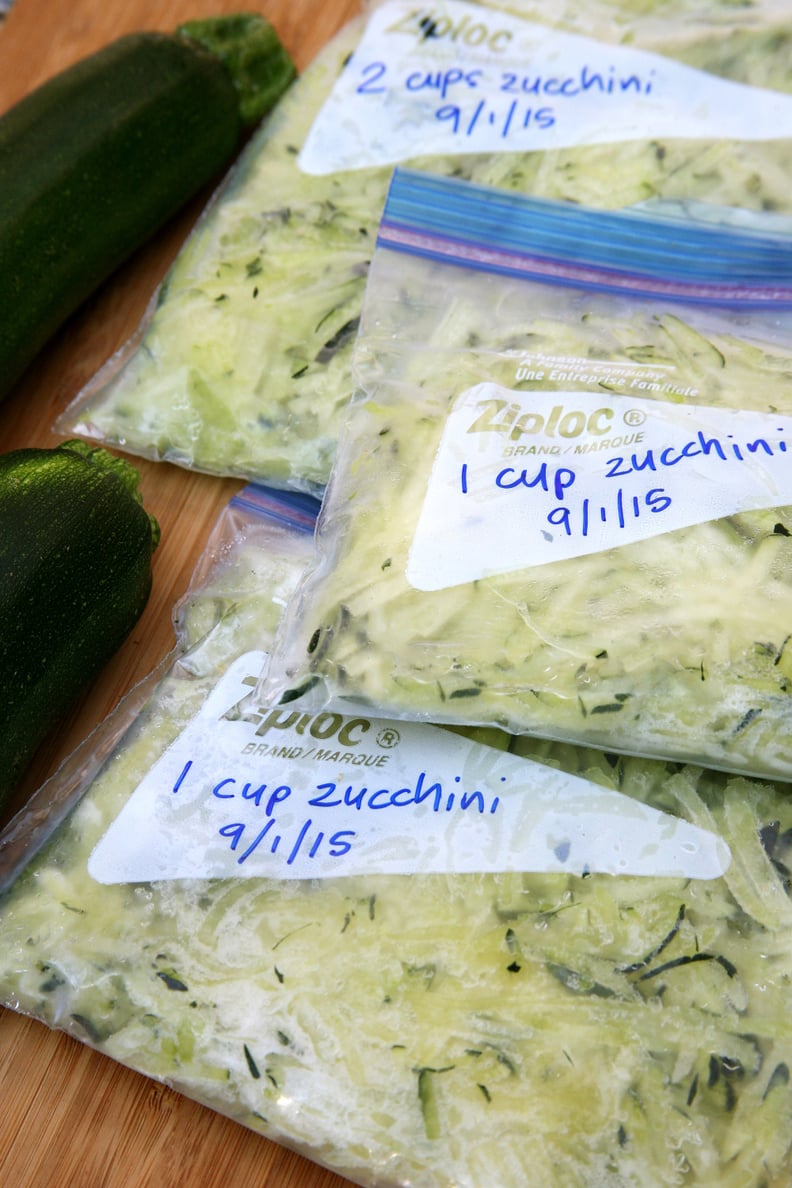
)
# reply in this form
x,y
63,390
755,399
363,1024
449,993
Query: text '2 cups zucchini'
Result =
x,y
95,160
75,575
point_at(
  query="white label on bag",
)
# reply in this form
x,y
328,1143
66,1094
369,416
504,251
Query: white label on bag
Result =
x,y
525,478
451,77
252,791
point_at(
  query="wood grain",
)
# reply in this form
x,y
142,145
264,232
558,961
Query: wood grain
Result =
x,y
71,1117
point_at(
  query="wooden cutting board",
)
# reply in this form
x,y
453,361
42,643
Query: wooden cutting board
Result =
x,y
70,1117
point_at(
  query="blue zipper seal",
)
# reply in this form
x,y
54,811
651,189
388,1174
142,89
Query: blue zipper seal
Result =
x,y
627,251
293,509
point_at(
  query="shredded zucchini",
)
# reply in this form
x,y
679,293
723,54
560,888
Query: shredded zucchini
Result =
x,y
244,366
437,1030
673,646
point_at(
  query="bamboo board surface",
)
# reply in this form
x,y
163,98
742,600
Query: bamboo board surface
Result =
x,y
71,1117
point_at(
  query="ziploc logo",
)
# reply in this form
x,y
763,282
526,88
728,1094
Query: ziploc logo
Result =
x,y
513,420
324,737
454,26
212,807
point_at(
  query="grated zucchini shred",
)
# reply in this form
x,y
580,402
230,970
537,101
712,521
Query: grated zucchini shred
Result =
x,y
434,1030
242,366
671,646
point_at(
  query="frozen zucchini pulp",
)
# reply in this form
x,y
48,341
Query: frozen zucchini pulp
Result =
x,y
496,565
244,366
435,1030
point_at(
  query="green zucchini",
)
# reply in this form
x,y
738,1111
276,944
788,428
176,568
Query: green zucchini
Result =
x,y
75,574
98,158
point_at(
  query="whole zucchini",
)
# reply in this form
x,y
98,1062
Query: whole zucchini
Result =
x,y
75,574
101,155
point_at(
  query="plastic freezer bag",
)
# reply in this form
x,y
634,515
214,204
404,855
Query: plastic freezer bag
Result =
x,y
608,1005
561,502
242,365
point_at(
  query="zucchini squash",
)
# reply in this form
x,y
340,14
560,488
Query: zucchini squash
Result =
x,y
95,160
75,574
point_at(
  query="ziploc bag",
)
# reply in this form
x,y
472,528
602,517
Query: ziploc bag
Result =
x,y
242,363
561,500
426,958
